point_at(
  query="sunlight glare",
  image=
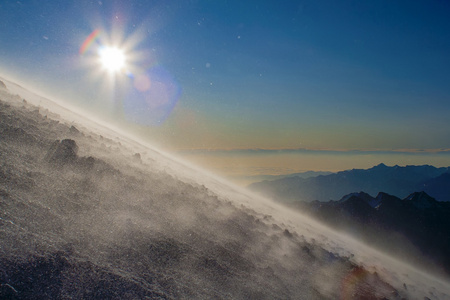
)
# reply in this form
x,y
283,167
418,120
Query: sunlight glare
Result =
x,y
112,58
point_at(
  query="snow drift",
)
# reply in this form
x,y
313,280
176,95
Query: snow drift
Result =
x,y
87,212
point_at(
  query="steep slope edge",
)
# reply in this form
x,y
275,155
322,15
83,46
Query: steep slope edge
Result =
x,y
82,216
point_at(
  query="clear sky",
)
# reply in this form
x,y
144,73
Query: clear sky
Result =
x,y
225,75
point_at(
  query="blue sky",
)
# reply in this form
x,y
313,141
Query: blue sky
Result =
x,y
334,75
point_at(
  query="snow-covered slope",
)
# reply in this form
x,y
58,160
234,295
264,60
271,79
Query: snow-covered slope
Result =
x,y
103,215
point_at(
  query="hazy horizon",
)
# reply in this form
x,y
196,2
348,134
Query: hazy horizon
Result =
x,y
245,166
320,86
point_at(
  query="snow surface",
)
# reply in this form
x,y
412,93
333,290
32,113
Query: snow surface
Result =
x,y
167,227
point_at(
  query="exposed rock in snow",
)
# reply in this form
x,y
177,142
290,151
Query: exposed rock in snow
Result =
x,y
62,152
73,130
104,227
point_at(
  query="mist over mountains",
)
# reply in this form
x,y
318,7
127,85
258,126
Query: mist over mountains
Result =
x,y
393,224
88,213
396,180
257,178
404,218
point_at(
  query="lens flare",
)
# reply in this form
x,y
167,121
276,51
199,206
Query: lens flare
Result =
x,y
89,41
152,98
134,87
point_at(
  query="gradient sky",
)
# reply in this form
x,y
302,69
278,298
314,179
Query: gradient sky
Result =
x,y
316,75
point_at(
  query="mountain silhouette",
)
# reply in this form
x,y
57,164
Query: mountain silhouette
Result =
x,y
395,180
417,219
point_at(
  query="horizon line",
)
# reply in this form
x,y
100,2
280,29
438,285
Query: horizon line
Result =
x,y
262,151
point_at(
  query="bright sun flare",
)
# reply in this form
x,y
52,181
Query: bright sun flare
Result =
x,y
112,59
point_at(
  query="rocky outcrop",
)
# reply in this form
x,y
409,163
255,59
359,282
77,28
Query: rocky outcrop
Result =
x,y
62,152
74,131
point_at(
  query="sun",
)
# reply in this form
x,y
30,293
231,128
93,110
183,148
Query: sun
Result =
x,y
112,59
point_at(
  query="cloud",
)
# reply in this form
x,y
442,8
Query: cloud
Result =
x,y
258,151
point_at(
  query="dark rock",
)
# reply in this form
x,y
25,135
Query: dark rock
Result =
x,y
62,152
73,130
287,233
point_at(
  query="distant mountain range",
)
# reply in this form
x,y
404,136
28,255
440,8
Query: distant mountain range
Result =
x,y
395,180
391,223
399,219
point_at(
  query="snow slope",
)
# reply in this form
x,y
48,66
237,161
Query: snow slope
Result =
x,y
119,219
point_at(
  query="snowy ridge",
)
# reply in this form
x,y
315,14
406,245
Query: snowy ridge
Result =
x,y
165,229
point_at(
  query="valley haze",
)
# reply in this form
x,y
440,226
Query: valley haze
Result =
x,y
88,212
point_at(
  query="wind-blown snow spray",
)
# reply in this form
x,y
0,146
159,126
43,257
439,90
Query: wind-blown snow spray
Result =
x,y
161,226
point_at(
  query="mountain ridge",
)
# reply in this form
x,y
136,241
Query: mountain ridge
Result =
x,y
395,180
419,218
